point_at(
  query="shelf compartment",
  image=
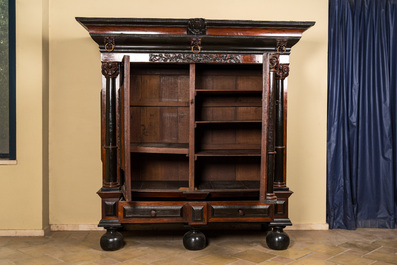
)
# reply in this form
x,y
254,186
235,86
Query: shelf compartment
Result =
x,y
155,168
160,148
230,152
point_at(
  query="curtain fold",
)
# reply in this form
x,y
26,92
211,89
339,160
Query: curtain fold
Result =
x,y
362,114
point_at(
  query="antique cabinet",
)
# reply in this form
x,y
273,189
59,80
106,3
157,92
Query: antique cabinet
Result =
x,y
194,123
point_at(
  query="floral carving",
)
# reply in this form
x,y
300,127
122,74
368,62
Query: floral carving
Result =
x,y
196,26
273,62
110,69
194,58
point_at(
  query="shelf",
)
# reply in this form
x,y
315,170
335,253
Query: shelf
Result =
x,y
228,185
230,152
227,91
159,104
203,186
160,148
159,185
231,121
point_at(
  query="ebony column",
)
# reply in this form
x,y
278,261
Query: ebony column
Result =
x,y
110,180
273,63
279,177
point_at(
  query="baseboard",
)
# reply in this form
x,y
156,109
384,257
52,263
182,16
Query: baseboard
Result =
x,y
23,232
75,227
307,227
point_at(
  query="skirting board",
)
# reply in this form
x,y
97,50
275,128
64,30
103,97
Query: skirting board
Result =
x,y
75,227
25,232
307,227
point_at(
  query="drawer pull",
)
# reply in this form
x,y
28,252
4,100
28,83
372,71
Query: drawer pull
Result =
x,y
240,212
153,213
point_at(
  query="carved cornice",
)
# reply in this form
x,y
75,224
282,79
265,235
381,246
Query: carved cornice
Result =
x,y
194,58
273,63
282,71
110,69
196,26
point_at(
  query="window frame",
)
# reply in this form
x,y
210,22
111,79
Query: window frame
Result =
x,y
12,82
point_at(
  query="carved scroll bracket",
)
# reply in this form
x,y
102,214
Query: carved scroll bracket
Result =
x,y
282,71
273,63
110,69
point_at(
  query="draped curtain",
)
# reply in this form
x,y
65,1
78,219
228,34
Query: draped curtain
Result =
x,y
362,114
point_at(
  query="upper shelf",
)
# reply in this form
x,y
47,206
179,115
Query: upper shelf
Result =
x,y
174,35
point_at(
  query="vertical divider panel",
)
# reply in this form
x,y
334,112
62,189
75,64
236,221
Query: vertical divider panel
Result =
x,y
192,119
125,125
265,116
192,115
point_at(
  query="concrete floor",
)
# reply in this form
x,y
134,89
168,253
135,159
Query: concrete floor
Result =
x,y
234,246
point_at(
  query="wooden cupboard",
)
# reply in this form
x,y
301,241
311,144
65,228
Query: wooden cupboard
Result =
x,y
194,123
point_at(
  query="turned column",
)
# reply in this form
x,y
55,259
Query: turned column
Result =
x,y
273,63
109,149
279,177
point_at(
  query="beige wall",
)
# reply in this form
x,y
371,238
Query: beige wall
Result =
x,y
74,86
21,198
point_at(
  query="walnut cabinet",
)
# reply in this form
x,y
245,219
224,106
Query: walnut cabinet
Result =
x,y
194,123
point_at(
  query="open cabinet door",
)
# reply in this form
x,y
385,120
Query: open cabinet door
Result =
x,y
124,131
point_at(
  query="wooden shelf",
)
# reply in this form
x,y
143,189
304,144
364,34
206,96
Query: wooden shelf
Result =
x,y
160,148
231,121
160,185
159,104
230,152
202,186
227,91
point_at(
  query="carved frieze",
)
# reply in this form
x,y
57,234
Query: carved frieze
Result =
x,y
194,58
110,69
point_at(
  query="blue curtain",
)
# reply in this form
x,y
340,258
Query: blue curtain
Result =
x,y
362,114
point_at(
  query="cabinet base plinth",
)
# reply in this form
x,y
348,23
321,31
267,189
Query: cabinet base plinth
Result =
x,y
112,240
194,240
277,239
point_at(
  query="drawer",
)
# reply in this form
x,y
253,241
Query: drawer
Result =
x,y
240,212
151,212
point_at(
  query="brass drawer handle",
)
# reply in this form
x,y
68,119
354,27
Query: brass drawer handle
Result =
x,y
153,213
241,212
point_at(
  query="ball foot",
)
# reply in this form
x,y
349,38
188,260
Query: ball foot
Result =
x,y
277,239
111,240
194,240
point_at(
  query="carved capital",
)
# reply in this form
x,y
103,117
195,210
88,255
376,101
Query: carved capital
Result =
x,y
273,62
282,71
110,69
196,26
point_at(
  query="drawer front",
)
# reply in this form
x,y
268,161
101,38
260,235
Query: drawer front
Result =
x,y
244,212
151,212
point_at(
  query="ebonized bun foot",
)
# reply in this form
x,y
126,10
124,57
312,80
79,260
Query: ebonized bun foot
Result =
x,y
277,239
194,240
112,240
